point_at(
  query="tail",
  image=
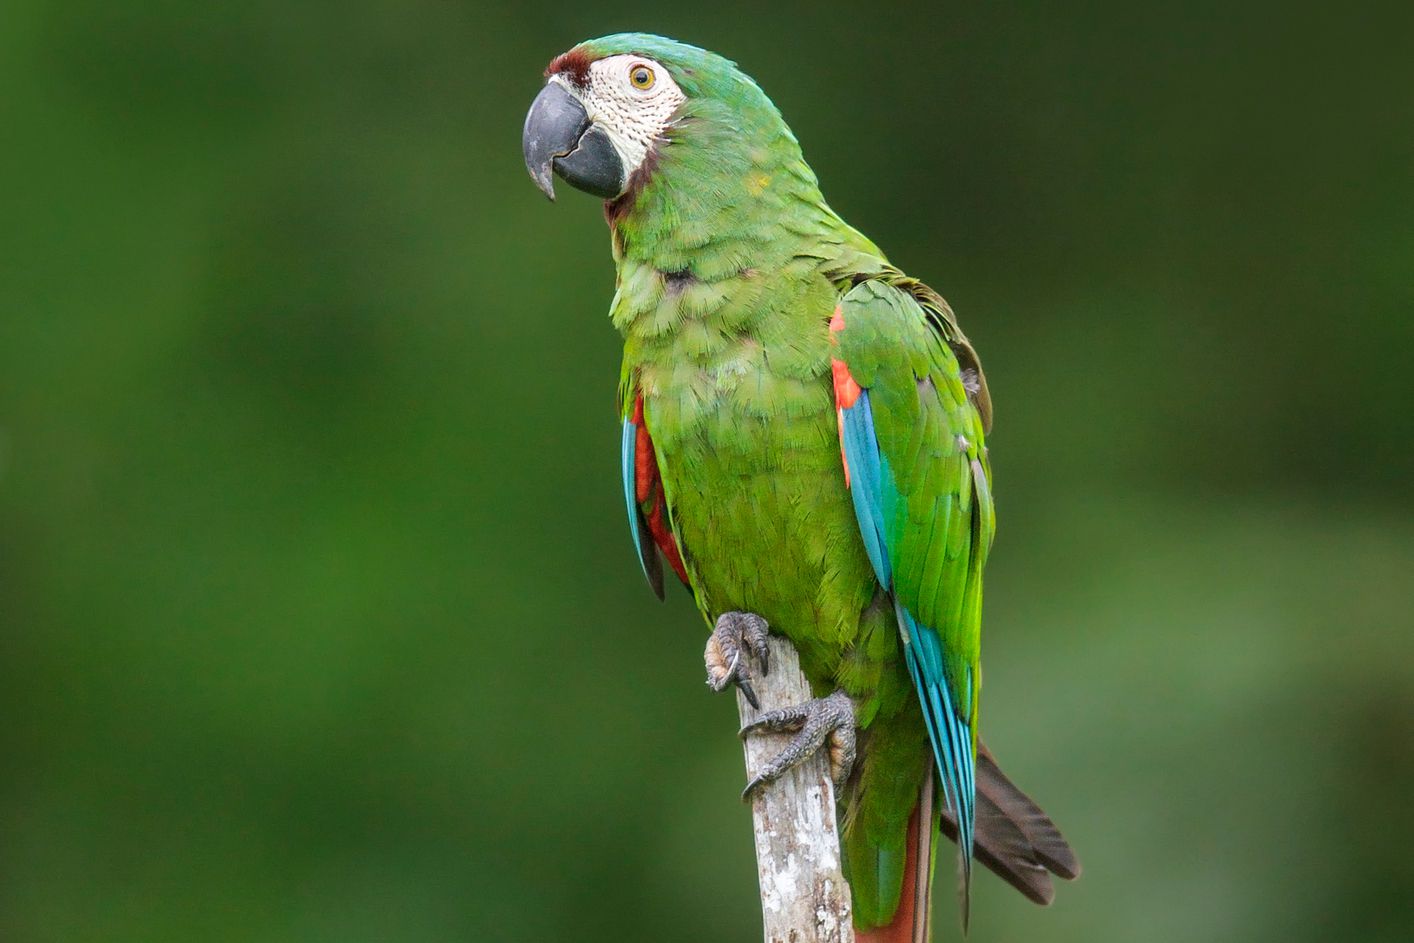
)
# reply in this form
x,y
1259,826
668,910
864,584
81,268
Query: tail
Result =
x,y
953,739
914,914
1014,838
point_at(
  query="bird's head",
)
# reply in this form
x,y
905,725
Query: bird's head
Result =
x,y
615,110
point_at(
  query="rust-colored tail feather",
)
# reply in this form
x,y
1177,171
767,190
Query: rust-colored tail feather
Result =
x,y
1014,839
915,902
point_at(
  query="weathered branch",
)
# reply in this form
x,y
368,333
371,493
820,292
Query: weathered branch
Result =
x,y
804,897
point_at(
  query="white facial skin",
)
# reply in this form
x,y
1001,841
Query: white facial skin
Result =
x,y
633,116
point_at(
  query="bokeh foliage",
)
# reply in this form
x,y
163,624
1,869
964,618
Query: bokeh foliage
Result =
x,y
318,617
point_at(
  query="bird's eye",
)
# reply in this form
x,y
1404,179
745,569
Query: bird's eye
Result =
x,y
641,77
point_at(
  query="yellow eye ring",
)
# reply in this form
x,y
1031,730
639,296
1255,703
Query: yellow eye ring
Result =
x,y
641,77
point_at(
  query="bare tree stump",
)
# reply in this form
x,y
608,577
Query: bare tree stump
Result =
x,y
804,896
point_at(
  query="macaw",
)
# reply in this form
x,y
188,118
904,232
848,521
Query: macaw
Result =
x,y
803,443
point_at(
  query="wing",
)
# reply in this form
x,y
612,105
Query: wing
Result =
x,y
911,436
646,504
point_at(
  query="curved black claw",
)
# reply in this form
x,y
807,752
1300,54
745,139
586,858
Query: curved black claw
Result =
x,y
736,634
813,723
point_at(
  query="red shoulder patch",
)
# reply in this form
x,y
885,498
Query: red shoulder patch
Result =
x,y
846,389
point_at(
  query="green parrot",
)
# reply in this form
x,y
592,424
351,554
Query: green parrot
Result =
x,y
804,445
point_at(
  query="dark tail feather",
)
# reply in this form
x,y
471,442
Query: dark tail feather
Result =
x,y
1050,846
1014,838
915,904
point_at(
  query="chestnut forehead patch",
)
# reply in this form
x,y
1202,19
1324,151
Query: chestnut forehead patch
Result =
x,y
573,65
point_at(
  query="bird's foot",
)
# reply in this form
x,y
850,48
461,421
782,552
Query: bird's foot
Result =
x,y
814,723
736,635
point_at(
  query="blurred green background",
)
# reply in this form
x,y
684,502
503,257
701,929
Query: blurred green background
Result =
x,y
318,618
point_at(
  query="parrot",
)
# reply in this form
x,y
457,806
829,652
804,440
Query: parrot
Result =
x,y
803,444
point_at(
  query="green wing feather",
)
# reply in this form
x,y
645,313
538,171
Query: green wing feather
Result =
x,y
913,440
930,432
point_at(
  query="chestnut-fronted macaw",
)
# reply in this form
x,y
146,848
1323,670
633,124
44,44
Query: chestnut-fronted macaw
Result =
x,y
804,445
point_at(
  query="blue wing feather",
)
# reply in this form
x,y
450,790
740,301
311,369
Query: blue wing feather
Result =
x,y
628,458
875,495
866,480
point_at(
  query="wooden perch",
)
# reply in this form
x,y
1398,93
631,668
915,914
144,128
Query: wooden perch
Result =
x,y
804,896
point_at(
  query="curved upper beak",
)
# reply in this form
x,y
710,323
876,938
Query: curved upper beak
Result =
x,y
559,137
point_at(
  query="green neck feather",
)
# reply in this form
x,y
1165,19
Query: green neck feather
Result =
x,y
720,191
723,207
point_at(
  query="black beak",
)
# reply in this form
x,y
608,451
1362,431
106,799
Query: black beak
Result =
x,y
559,135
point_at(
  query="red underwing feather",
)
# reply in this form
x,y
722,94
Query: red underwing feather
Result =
x,y
648,489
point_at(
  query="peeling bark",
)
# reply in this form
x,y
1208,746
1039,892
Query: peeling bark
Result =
x,y
804,897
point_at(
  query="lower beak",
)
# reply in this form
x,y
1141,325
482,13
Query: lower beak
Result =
x,y
559,136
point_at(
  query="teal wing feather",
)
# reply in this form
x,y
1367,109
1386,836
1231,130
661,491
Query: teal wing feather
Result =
x,y
638,527
646,501
911,430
